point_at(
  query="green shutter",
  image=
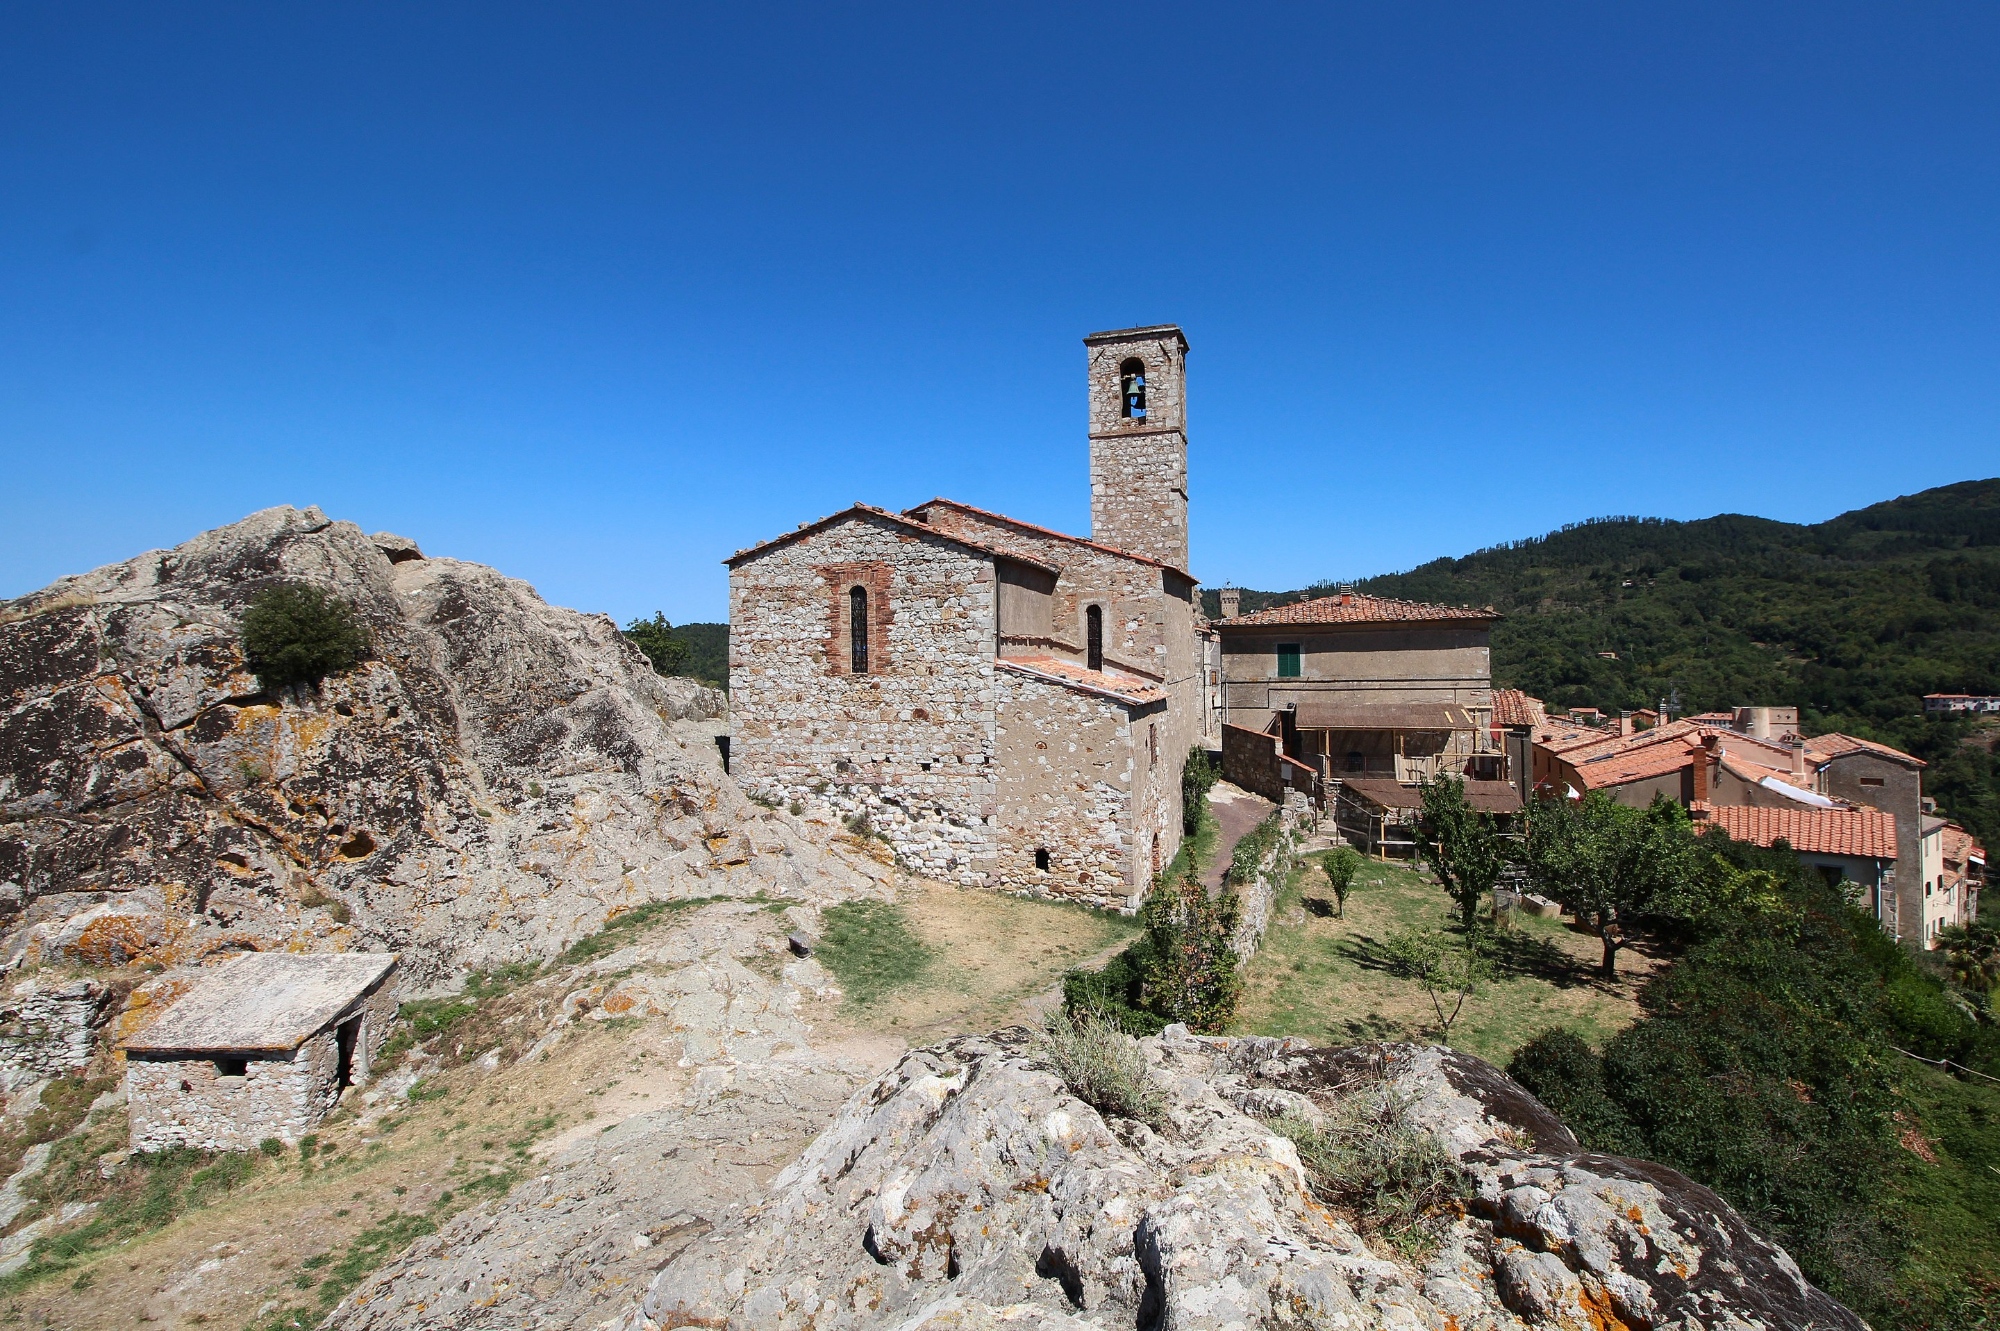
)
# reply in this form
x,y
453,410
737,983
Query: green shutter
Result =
x,y
1288,660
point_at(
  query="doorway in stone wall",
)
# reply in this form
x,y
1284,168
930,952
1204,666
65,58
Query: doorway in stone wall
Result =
x,y
346,1037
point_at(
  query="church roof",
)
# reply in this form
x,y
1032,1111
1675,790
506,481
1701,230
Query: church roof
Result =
x,y
1047,533
805,529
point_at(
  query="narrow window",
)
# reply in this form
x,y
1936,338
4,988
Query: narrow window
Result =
x,y
1152,746
1132,378
1288,660
1093,637
1041,859
857,630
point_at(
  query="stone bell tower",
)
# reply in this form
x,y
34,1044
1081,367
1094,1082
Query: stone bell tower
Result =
x,y
1138,441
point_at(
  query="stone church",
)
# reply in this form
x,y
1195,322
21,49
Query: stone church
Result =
x,y
1009,706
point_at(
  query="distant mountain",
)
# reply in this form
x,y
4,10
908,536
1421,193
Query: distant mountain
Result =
x,y
1854,619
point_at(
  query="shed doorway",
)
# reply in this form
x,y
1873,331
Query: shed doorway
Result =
x,y
346,1037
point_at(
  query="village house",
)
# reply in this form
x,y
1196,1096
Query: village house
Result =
x,y
1354,687
260,1048
1008,706
1754,760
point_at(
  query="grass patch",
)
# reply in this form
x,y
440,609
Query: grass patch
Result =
x,y
621,929
1334,980
869,947
370,1248
1102,1066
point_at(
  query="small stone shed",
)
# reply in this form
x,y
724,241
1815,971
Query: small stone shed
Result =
x,y
262,1048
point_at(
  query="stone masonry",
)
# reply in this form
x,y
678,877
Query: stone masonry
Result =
x,y
988,734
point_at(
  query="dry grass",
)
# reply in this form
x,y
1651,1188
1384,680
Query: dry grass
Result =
x,y
1102,1066
1332,980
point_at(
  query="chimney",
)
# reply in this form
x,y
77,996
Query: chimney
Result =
x,y
1347,598
1624,721
1798,748
1704,757
1232,602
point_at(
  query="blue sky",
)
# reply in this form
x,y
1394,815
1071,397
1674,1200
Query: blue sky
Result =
x,y
599,293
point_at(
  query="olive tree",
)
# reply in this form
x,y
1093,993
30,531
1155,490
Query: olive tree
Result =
x,y
1462,846
1618,867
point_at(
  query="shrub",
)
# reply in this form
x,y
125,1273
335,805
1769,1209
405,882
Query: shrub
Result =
x,y
1190,961
294,633
1118,992
1370,1159
1198,777
1102,1066
1566,1074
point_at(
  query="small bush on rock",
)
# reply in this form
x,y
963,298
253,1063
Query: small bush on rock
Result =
x,y
1369,1159
294,633
1102,1066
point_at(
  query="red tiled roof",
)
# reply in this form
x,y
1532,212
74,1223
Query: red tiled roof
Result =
x,y
1119,688
894,519
1824,748
1355,608
1048,533
1863,833
1619,768
1960,846
1513,707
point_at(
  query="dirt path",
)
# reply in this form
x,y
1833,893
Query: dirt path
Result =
x,y
1237,813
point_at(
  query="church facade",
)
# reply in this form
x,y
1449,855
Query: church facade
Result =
x,y
1008,706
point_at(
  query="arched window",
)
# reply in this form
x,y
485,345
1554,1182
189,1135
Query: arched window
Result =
x,y
1093,637
1132,380
857,630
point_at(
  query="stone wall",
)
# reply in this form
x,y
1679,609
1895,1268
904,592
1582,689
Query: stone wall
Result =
x,y
1074,780
1257,895
48,1028
189,1102
1448,663
910,742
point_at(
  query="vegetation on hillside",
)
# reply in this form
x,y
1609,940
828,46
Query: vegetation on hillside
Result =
x,y
1853,619
1772,1063
693,651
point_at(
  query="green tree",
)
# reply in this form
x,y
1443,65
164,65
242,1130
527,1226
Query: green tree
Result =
x,y
1618,867
295,633
1462,846
1341,864
655,637
1190,964
1449,968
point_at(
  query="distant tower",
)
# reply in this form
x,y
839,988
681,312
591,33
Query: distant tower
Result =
x,y
1138,441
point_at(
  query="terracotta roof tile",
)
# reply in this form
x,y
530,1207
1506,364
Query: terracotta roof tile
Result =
x,y
1824,748
1355,608
1119,688
1621,768
1513,707
1863,833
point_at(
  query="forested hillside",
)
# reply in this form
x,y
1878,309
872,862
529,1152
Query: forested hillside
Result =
x,y
1853,619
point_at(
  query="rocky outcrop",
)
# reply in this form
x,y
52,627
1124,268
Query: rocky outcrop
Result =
x,y
497,778
967,1187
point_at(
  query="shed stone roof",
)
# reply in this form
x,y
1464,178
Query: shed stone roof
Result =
x,y
264,1002
1355,608
1868,834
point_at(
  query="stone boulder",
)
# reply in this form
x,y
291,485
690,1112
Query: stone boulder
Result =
x,y
967,1188
496,779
